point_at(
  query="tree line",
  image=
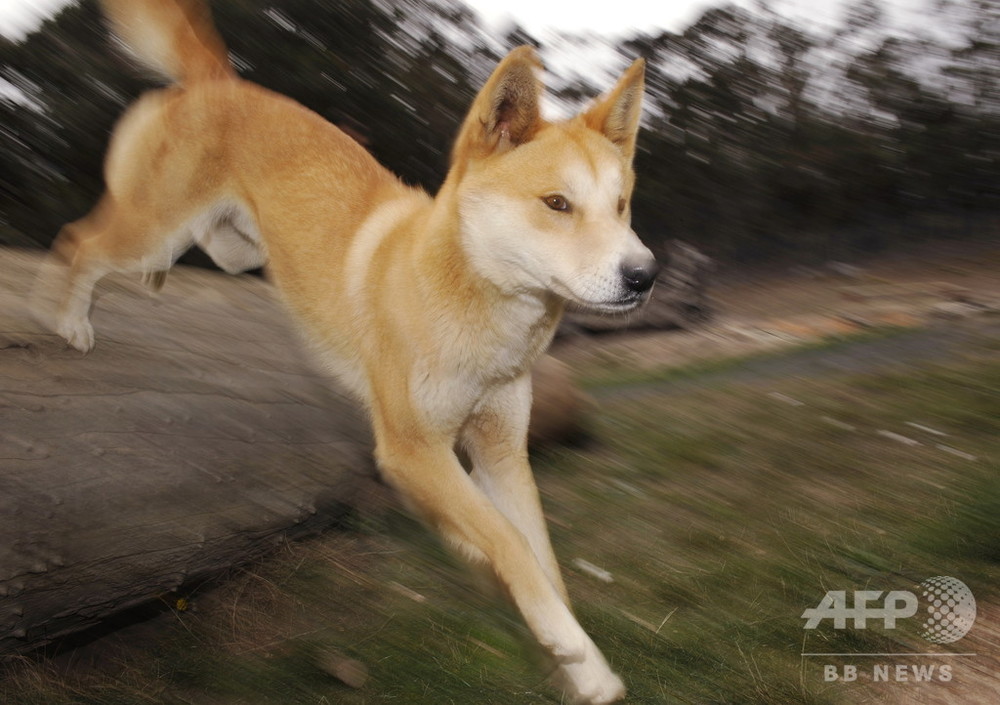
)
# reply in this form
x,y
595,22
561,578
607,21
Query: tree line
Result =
x,y
740,157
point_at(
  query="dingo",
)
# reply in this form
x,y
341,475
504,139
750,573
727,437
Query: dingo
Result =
x,y
431,310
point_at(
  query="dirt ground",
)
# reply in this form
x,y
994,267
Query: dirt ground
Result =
x,y
768,308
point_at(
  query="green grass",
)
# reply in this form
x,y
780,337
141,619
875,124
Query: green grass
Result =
x,y
722,514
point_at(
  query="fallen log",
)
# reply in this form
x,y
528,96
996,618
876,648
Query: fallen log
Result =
x,y
192,438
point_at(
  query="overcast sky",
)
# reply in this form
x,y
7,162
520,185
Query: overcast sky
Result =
x,y
19,16
611,18
614,17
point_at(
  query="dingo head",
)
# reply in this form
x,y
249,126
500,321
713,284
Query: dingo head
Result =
x,y
544,207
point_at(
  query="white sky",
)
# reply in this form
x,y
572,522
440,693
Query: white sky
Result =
x,y
614,17
20,16
611,18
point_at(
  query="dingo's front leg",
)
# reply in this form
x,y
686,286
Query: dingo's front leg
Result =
x,y
496,439
429,475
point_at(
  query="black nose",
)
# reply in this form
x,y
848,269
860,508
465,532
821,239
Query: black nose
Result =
x,y
639,277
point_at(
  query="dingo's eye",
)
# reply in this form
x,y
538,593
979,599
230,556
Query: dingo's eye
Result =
x,y
556,202
621,205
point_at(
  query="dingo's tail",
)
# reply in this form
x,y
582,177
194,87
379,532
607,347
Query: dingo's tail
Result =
x,y
174,38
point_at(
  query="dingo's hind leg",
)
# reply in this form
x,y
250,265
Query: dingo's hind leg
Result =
x,y
73,284
107,240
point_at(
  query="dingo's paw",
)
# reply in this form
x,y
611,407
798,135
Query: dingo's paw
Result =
x,y
591,681
78,332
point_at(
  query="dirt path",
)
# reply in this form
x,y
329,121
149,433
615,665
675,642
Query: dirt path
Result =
x,y
769,310
893,349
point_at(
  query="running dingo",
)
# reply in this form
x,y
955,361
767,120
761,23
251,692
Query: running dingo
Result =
x,y
430,310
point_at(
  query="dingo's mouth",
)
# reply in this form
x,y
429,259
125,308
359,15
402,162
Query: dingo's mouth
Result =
x,y
619,306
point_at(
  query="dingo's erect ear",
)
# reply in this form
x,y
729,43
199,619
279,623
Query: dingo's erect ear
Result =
x,y
506,112
616,115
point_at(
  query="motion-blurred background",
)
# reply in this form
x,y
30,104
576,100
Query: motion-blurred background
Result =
x,y
812,131
832,425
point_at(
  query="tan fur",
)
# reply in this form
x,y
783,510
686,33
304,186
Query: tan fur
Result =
x,y
431,310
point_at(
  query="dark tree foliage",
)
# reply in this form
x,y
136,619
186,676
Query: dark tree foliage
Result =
x,y
737,158
346,60
799,179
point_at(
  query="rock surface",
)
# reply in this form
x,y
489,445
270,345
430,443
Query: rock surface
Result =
x,y
192,438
